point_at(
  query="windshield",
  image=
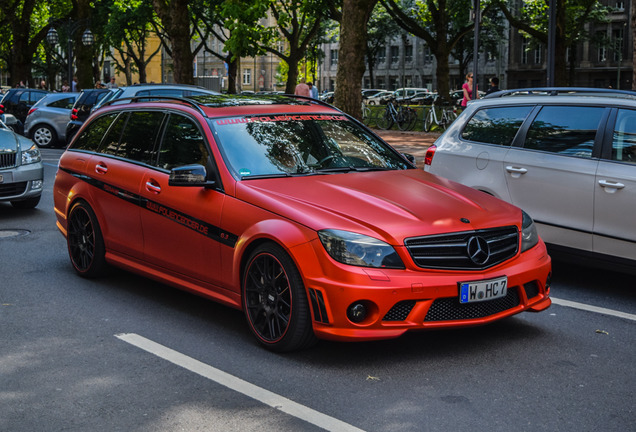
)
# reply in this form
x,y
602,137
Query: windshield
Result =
x,y
283,145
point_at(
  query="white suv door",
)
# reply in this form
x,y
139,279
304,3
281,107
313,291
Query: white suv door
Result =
x,y
553,176
615,191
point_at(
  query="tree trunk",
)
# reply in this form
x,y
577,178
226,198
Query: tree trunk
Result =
x,y
232,72
353,43
174,15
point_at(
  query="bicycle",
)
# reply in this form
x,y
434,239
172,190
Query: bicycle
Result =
x,y
405,117
447,116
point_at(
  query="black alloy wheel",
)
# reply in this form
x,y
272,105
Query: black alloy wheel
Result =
x,y
275,302
85,242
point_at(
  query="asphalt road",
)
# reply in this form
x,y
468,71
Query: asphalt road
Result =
x,y
123,353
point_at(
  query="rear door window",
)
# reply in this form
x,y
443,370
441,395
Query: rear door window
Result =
x,y
566,130
137,142
624,141
497,125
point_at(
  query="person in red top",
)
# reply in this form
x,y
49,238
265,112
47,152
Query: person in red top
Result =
x,y
302,89
468,90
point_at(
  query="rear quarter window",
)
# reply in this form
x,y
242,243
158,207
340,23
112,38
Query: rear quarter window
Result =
x,y
497,125
91,137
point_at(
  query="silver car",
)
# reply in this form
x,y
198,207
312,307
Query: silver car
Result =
x,y
566,158
47,119
21,170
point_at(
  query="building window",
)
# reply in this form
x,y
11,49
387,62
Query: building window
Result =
x,y
395,54
334,57
408,53
247,76
524,51
538,55
617,37
381,57
620,6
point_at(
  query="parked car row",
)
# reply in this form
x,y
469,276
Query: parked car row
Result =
x,y
54,118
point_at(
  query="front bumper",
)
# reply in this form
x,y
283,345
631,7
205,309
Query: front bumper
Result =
x,y
22,182
397,301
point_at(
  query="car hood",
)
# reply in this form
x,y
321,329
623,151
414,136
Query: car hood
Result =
x,y
8,141
391,205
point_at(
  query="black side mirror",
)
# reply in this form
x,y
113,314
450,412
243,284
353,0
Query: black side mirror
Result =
x,y
409,157
189,175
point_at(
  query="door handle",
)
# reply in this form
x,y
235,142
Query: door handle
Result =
x,y
101,169
516,170
610,186
153,187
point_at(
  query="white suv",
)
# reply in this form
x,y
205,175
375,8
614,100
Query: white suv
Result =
x,y
565,156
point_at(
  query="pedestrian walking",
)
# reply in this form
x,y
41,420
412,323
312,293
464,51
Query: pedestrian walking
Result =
x,y
302,89
468,90
313,91
494,85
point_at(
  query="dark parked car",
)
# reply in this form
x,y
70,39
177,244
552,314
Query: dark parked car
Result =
x,y
85,102
18,101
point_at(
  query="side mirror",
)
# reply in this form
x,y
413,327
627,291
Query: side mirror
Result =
x,y
409,157
189,175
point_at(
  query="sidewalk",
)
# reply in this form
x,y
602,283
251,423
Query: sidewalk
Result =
x,y
414,143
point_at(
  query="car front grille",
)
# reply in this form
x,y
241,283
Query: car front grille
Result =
x,y
450,309
468,250
12,189
8,160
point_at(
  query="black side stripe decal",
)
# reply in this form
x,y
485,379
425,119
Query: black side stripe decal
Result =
x,y
208,230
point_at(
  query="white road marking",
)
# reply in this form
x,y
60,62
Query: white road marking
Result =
x,y
596,309
260,394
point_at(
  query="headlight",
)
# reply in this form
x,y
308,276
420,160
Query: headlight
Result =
x,y
529,236
31,155
359,250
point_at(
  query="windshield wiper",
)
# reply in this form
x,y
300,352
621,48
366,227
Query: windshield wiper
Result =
x,y
352,168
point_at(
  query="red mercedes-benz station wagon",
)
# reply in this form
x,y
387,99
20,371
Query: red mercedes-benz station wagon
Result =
x,y
295,213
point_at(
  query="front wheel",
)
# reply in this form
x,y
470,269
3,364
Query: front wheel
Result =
x,y
384,121
408,118
275,302
428,122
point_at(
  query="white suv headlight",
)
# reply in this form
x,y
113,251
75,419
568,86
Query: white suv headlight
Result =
x,y
529,235
359,250
32,155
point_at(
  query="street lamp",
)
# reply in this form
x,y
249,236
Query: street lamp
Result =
x,y
87,39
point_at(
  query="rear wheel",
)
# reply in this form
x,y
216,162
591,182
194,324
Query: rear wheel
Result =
x,y
275,302
407,119
44,136
85,242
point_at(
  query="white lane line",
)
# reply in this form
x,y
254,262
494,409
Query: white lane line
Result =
x,y
595,309
260,394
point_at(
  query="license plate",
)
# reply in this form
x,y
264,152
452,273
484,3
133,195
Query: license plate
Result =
x,y
471,292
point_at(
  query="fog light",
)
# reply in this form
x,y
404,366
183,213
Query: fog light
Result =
x,y
36,184
357,312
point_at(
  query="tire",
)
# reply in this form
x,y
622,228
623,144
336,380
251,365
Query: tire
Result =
x,y
408,118
384,120
428,122
27,204
85,242
275,301
43,135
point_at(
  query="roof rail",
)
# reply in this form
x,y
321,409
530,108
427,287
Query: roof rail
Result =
x,y
310,99
158,98
564,91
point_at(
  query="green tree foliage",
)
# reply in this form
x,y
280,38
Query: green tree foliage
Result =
x,y
572,18
381,27
127,32
441,23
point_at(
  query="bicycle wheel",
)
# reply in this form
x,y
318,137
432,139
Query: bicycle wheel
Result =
x,y
428,121
384,120
366,116
407,119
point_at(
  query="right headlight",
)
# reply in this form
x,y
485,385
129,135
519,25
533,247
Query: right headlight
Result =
x,y
32,155
359,250
529,235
